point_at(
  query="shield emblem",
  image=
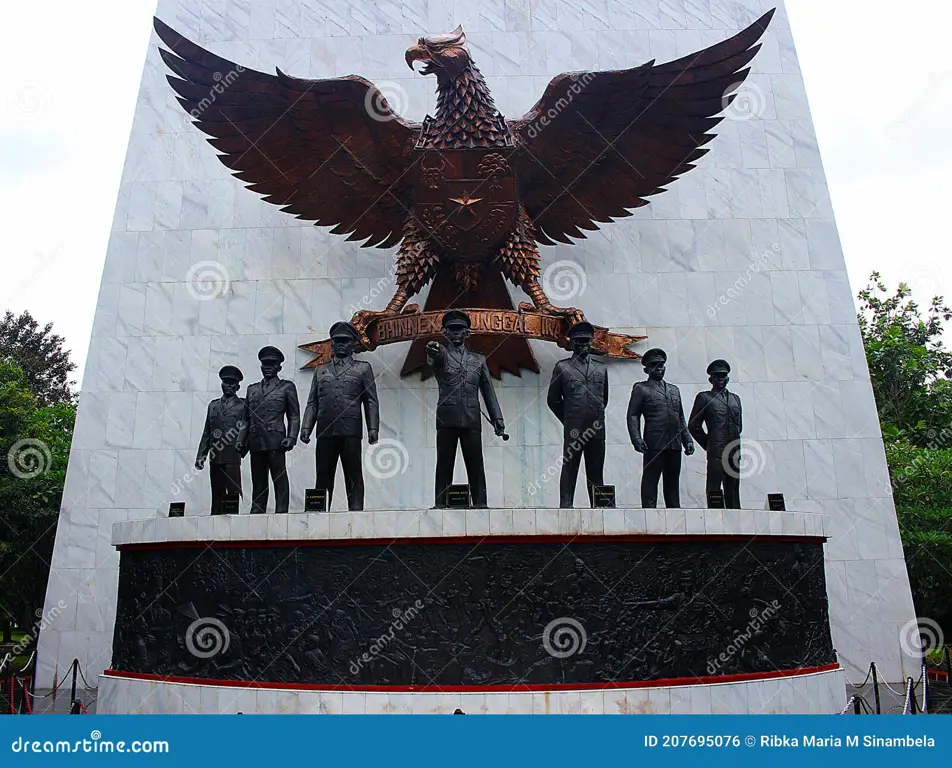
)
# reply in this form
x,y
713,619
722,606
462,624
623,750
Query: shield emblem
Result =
x,y
466,198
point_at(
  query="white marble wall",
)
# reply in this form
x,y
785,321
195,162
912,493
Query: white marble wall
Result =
x,y
820,693
753,223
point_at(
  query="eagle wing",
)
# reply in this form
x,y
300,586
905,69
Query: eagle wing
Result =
x,y
329,151
598,143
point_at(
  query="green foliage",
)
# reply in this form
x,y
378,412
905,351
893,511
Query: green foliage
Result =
x,y
921,477
927,545
39,353
910,370
34,449
908,364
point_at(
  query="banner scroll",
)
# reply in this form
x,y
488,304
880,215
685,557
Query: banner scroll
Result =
x,y
411,326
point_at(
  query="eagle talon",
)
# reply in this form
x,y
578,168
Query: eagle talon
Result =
x,y
362,320
572,315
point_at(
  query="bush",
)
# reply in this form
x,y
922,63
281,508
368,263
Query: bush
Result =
x,y
920,477
927,544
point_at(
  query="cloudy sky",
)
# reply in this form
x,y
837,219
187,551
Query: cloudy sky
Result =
x,y
877,74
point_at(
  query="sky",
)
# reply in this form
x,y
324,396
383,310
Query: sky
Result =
x,y
877,75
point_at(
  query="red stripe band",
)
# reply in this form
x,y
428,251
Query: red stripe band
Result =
x,y
669,682
487,539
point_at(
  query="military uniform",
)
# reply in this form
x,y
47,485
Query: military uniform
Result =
x,y
720,413
226,427
270,402
665,433
578,396
462,374
338,389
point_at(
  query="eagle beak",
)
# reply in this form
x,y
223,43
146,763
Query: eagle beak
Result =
x,y
416,53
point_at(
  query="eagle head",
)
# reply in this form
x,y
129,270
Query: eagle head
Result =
x,y
445,55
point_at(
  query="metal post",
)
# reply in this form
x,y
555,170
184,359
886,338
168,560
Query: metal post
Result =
x,y
875,672
33,674
72,690
948,666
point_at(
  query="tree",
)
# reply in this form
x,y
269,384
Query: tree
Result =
x,y
39,353
34,449
909,366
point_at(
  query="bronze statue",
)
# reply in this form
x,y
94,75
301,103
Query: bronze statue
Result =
x,y
225,438
270,402
720,412
338,390
665,433
467,195
578,396
462,375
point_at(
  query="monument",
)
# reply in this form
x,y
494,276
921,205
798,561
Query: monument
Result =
x,y
665,434
275,419
224,439
339,388
736,258
578,396
463,376
716,424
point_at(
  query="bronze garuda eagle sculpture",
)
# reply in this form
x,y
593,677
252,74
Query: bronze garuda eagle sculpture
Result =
x,y
467,195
